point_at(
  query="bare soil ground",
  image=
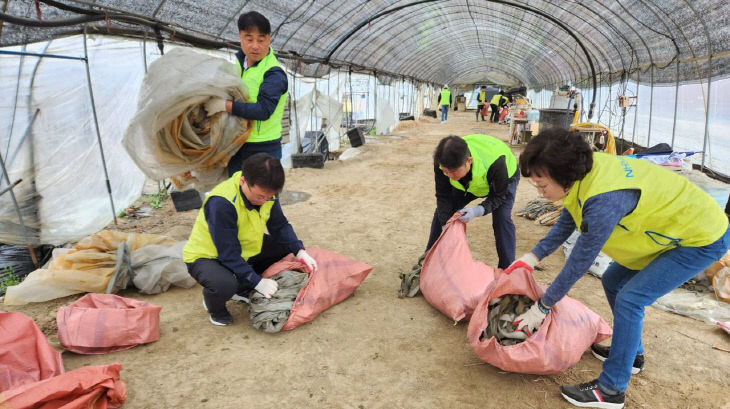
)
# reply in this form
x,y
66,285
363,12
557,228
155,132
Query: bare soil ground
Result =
x,y
375,350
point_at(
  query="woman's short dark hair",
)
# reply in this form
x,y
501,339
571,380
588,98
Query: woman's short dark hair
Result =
x,y
254,19
558,153
263,170
451,152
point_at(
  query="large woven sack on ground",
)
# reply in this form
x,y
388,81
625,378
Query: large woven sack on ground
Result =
x,y
90,387
101,323
451,280
25,355
568,330
336,279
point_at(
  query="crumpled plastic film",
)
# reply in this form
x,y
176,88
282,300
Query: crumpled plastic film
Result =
x,y
91,264
171,136
270,314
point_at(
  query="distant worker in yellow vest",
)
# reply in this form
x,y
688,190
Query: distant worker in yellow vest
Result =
x,y
267,87
498,101
229,247
445,102
481,101
659,228
471,167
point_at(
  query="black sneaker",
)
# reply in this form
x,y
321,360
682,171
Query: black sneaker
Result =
x,y
601,352
222,319
590,395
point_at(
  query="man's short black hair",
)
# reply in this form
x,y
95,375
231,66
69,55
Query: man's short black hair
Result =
x,y
451,152
263,170
484,87
558,153
254,19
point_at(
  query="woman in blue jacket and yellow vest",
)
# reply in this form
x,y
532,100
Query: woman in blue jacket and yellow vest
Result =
x,y
267,87
659,228
229,249
471,167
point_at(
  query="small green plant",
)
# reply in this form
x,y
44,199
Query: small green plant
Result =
x,y
157,199
8,278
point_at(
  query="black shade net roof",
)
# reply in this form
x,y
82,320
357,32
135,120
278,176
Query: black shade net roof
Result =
x,y
539,43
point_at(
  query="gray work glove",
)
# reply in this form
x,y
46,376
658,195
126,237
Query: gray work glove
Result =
x,y
470,213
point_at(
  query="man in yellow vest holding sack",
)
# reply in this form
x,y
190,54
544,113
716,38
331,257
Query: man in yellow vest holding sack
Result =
x,y
498,101
471,167
229,249
267,86
659,228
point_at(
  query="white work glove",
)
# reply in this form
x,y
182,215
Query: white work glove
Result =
x,y
470,213
528,261
530,321
215,105
267,287
307,260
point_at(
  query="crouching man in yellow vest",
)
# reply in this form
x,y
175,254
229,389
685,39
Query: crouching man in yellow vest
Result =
x,y
229,249
267,87
659,228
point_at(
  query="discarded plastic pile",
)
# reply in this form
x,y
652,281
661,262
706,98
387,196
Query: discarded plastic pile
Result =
x,y
410,281
103,262
270,314
542,211
502,313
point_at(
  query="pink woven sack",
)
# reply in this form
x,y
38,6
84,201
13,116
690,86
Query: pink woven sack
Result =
x,y
568,330
25,354
336,278
451,280
101,323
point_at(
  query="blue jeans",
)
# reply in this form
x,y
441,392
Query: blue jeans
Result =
x,y
273,148
444,112
629,291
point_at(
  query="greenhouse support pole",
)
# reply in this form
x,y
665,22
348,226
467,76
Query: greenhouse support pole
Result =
x,y
707,112
375,96
676,103
96,125
608,101
636,107
651,107
12,194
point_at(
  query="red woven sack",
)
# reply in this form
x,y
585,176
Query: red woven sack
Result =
x,y
451,280
101,323
336,278
25,354
568,330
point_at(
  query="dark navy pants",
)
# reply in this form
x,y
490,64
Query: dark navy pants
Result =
x,y
273,148
504,229
219,283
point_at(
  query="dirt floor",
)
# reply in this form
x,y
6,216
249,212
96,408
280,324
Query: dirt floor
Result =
x,y
375,350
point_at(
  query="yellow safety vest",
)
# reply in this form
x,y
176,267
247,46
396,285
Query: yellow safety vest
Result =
x,y
495,99
484,150
671,212
252,77
445,96
482,97
251,224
